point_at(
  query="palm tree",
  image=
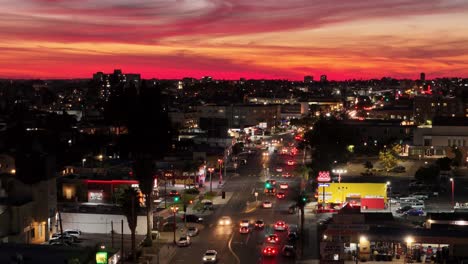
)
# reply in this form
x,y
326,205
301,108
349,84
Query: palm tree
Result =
x,y
128,200
303,172
144,170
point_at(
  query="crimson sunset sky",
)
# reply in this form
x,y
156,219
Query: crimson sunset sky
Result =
x,y
228,39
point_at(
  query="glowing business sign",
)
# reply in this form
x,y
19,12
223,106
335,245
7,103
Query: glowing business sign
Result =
x,y
324,176
101,257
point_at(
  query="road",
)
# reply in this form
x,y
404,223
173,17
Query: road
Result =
x,y
235,248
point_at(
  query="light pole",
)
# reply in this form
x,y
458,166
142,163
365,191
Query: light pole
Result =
x,y
83,161
339,172
211,179
174,211
220,162
453,191
409,240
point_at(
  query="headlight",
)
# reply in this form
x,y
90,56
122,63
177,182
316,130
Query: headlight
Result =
x,y
228,222
204,258
221,222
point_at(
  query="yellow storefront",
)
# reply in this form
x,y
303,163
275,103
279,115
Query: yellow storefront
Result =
x,y
338,193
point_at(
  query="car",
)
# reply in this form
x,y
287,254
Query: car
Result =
x,y
280,195
280,226
414,212
73,232
416,184
290,162
64,238
173,193
279,169
183,241
292,209
403,209
225,220
293,228
272,182
192,218
286,174
272,239
210,256
208,205
292,236
244,223
270,191
288,251
265,154
269,251
420,195
243,161
57,242
283,186
259,224
192,231
267,204
398,169
244,230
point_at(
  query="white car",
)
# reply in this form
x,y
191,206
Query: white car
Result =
x,y
225,220
73,232
267,204
283,186
192,231
211,256
183,241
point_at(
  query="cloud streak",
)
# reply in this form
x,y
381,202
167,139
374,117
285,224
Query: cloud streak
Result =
x,y
249,38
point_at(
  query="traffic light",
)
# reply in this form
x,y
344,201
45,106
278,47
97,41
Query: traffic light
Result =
x,y
304,199
176,199
268,185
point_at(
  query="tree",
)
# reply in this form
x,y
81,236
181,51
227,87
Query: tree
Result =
x,y
429,174
457,160
144,171
444,163
388,159
128,200
149,137
368,165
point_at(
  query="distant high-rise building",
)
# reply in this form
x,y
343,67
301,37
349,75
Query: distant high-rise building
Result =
x,y
422,76
308,79
323,78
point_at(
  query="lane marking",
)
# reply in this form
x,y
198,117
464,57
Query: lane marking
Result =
x,y
232,251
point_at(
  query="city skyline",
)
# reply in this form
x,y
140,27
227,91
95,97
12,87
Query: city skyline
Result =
x,y
233,39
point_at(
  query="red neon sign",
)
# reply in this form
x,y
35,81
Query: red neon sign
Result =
x,y
324,176
112,181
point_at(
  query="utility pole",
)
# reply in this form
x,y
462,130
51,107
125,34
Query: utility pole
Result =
x,y
122,240
112,233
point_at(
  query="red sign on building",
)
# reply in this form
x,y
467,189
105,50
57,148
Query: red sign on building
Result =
x,y
324,176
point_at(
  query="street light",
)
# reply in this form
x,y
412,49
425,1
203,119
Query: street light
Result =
x,y
220,162
339,172
408,241
174,211
83,161
453,191
210,170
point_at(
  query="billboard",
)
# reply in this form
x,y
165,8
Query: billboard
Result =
x,y
342,192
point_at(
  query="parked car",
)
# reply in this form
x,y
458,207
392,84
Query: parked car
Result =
x,y
192,231
403,209
64,238
420,195
208,205
398,169
183,241
414,212
193,218
73,232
